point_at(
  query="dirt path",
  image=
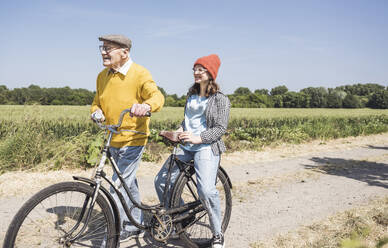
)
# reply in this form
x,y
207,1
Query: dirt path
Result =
x,y
275,191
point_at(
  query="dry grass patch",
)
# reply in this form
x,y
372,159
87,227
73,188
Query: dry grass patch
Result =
x,y
362,227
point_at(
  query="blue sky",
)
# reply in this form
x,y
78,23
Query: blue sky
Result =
x,y
262,44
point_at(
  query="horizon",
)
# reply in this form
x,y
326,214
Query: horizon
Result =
x,y
168,93
261,44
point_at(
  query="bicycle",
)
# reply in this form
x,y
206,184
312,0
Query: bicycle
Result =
x,y
82,213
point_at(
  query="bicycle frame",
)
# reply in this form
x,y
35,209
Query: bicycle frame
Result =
x,y
93,216
185,210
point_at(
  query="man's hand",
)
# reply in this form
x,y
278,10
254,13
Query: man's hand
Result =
x,y
97,116
190,137
139,110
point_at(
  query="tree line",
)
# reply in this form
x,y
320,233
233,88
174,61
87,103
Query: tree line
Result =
x,y
34,94
347,96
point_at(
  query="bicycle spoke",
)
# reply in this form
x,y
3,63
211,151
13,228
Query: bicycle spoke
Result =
x,y
44,218
53,217
75,212
95,230
94,220
94,236
199,232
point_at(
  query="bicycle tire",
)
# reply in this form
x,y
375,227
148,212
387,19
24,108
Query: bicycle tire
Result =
x,y
47,215
199,234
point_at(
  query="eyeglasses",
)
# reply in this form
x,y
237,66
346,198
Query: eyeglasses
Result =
x,y
107,49
199,70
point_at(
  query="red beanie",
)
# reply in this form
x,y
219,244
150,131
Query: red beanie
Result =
x,y
211,63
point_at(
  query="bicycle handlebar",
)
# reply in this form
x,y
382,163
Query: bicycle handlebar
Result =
x,y
148,114
113,128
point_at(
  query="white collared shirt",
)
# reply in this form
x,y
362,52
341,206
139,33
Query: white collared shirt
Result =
x,y
125,68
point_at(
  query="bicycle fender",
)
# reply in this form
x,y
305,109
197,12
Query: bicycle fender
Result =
x,y
227,176
110,199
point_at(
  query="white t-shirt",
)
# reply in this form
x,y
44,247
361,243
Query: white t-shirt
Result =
x,y
195,120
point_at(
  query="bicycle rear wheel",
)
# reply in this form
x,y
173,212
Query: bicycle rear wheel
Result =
x,y
199,234
51,213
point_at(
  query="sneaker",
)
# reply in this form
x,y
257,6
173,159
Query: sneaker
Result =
x,y
218,241
126,235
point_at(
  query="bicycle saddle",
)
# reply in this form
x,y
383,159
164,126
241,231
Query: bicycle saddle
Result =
x,y
170,135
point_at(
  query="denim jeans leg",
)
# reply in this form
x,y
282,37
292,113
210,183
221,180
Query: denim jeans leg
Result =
x,y
127,159
206,167
161,177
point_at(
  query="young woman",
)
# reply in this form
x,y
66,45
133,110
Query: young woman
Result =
x,y
205,121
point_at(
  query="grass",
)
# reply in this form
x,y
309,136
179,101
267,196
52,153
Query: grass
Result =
x,y
81,113
23,112
64,136
362,227
271,113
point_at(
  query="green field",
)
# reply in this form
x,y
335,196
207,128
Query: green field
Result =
x,y
55,137
81,113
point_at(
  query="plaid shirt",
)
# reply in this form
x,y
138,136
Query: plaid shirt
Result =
x,y
217,117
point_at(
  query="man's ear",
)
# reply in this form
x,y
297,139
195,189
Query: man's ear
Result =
x,y
125,52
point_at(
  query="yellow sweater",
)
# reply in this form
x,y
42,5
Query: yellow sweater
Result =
x,y
116,92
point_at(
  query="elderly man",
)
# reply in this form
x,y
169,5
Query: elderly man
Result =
x,y
125,84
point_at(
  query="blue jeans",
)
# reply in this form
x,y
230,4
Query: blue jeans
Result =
x,y
127,159
206,167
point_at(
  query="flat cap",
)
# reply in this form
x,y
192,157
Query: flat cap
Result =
x,y
118,39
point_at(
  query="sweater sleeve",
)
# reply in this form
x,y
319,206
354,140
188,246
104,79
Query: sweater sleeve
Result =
x,y
221,121
151,93
153,96
96,101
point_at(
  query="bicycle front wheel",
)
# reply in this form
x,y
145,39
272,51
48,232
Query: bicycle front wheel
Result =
x,y
199,234
49,216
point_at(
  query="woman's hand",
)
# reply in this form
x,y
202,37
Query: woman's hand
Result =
x,y
190,137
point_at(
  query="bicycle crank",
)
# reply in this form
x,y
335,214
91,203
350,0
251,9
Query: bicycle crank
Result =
x,y
161,227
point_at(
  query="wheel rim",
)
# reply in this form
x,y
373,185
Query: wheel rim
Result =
x,y
52,218
200,232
